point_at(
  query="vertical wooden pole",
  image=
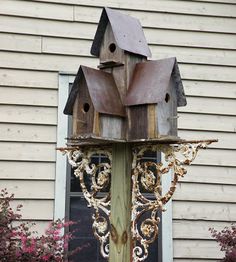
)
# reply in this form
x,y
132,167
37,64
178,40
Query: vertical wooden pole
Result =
x,y
120,237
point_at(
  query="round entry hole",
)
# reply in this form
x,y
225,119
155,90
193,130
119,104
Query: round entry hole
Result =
x,y
112,47
167,97
86,107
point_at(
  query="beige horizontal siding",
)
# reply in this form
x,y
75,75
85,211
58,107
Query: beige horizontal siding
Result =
x,y
211,174
207,122
35,209
27,96
210,89
24,189
27,133
28,151
203,192
196,229
28,114
188,7
193,210
41,38
27,170
226,140
170,21
26,78
36,10
197,249
87,31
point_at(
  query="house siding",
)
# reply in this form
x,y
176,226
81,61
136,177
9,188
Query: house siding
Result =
x,y
39,39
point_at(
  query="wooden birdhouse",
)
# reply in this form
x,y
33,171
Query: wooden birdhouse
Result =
x,y
154,94
95,105
119,43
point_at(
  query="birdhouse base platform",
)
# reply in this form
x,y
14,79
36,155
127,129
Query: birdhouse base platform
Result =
x,y
92,140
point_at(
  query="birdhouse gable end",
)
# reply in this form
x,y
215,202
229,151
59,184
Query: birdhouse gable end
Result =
x,y
128,33
151,80
102,90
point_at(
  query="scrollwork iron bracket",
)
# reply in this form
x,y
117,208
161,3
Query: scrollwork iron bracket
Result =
x,y
146,176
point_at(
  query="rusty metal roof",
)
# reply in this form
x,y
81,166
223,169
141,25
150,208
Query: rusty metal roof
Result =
x,y
102,89
151,80
127,31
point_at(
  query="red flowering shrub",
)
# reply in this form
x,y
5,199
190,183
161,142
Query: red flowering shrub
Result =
x,y
19,243
227,241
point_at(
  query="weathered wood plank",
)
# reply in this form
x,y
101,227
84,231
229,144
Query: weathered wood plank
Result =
x,y
11,77
204,211
183,229
211,175
205,192
23,43
112,127
27,170
202,105
87,31
204,249
210,89
28,114
27,133
27,151
35,209
163,20
28,96
23,189
190,121
226,140
36,10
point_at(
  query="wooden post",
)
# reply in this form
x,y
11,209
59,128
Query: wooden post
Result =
x,y
120,237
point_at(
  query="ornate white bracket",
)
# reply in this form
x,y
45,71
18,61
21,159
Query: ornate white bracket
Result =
x,y
146,177
99,177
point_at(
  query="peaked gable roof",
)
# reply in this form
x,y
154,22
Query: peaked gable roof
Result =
x,y
127,31
151,80
102,90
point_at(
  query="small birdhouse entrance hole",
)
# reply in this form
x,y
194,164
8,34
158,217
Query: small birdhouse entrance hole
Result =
x,y
167,97
112,47
86,107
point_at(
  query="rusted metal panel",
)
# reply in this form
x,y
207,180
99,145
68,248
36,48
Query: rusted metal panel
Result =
x,y
127,30
151,80
102,89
